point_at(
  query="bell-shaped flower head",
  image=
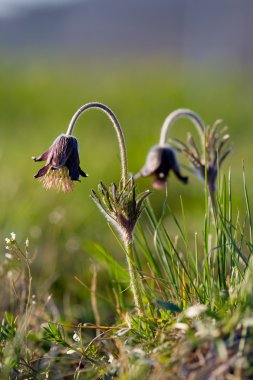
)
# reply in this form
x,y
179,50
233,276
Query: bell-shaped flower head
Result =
x,y
161,159
62,164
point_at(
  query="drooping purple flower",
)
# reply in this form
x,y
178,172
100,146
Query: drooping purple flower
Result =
x,y
62,164
159,162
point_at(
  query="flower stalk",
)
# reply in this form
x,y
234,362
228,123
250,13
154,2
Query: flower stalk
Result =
x,y
161,158
178,114
134,277
120,205
116,125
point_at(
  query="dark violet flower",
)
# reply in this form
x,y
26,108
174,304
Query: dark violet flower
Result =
x,y
160,160
62,164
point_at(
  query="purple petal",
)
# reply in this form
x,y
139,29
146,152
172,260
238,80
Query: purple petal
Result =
x,y
42,171
62,150
42,157
82,172
153,162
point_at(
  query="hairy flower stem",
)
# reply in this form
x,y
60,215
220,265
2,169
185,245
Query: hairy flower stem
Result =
x,y
128,239
117,127
134,276
178,114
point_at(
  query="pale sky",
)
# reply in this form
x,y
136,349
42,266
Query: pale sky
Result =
x,y
12,7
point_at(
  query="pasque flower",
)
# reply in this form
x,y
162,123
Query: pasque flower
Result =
x,y
161,159
206,162
120,205
62,164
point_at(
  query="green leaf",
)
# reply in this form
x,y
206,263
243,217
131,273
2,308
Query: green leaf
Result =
x,y
113,191
102,255
53,328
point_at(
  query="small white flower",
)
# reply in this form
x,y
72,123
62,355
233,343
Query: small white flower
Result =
x,y
195,311
76,337
27,243
7,240
13,236
8,256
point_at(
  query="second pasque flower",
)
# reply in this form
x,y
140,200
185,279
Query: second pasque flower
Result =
x,y
159,162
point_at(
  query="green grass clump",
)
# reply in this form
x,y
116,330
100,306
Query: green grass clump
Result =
x,y
198,307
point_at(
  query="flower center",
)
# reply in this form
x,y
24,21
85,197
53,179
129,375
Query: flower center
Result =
x,y
58,179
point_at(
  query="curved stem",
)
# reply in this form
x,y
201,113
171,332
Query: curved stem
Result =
x,y
178,114
117,127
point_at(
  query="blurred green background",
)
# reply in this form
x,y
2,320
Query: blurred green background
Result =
x,y
41,87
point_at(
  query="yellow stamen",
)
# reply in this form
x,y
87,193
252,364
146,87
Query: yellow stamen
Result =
x,y
58,179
